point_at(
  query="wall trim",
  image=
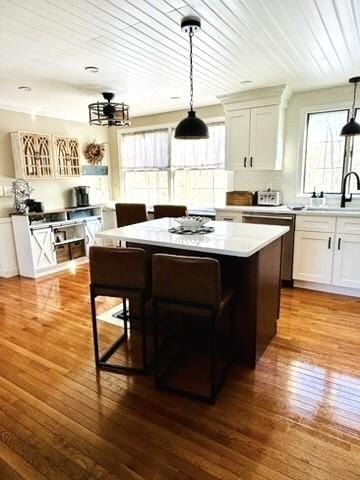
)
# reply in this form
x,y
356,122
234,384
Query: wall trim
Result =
x,y
323,287
9,273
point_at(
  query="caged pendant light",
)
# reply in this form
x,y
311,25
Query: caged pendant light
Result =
x,y
352,127
109,113
191,127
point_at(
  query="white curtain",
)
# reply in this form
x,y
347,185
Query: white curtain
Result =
x,y
145,150
208,153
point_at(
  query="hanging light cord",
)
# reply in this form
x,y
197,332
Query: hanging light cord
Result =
x,y
191,34
354,100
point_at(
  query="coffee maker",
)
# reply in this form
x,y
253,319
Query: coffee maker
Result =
x,y
81,195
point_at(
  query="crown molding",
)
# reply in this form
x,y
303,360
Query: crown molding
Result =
x,y
278,94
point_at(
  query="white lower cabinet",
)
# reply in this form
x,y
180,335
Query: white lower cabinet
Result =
x,y
46,242
313,253
328,257
42,246
91,228
346,271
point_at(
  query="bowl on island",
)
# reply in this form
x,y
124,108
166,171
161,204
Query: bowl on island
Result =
x,y
191,223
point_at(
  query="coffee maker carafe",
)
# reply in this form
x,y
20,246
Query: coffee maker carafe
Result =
x,y
82,196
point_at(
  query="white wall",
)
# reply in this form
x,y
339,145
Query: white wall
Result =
x,y
54,193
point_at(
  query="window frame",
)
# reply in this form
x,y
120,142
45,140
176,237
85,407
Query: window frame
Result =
x,y
171,170
303,127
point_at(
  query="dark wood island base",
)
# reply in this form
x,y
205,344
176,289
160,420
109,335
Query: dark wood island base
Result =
x,y
257,281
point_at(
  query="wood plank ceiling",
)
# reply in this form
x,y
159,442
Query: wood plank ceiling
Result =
x,y
143,55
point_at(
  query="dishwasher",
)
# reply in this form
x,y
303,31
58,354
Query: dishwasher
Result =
x,y
288,239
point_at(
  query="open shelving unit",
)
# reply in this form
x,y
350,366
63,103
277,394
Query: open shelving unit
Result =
x,y
47,241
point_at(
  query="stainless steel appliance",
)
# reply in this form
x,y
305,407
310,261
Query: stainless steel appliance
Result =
x,y
81,195
287,220
269,198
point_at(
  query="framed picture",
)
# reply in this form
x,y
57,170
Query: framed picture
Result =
x,y
60,236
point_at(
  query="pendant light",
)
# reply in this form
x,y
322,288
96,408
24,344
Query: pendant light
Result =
x,y
191,127
352,127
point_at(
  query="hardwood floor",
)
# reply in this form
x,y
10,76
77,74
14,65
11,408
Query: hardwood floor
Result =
x,y
296,417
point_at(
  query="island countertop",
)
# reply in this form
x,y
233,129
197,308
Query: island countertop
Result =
x,y
234,239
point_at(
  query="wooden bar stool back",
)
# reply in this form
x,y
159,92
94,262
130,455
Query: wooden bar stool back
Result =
x,y
174,211
194,291
130,213
123,273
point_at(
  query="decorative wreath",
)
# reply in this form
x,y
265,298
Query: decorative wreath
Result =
x,y
94,153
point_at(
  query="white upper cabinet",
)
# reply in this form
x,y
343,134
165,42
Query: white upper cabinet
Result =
x,y
237,145
254,122
264,138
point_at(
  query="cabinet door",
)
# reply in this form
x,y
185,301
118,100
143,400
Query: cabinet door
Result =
x,y
42,246
237,140
313,253
35,155
91,227
264,124
347,261
67,156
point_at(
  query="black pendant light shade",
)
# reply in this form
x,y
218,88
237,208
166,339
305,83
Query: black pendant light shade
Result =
x,y
191,127
109,114
352,127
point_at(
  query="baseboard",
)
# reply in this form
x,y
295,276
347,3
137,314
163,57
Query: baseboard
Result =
x,y
9,273
323,287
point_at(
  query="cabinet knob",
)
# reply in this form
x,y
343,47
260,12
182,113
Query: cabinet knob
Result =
x,y
329,243
244,162
251,162
339,243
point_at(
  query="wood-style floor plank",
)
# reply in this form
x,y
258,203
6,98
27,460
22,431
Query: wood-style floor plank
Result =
x,y
297,416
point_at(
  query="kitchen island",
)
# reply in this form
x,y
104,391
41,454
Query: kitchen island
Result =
x,y
250,259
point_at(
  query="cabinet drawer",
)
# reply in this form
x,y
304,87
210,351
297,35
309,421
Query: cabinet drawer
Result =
x,y
348,225
309,223
229,217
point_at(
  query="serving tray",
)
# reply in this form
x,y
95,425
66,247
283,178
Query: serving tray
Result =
x,y
186,231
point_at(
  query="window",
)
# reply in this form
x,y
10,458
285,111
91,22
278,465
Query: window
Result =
x,y
157,168
145,163
327,155
199,178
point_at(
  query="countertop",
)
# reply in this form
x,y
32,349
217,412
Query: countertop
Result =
x,y
235,239
326,211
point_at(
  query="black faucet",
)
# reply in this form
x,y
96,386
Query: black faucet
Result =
x,y
343,188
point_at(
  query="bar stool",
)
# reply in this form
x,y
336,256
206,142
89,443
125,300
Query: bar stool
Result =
x,y
130,213
119,272
161,211
194,294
